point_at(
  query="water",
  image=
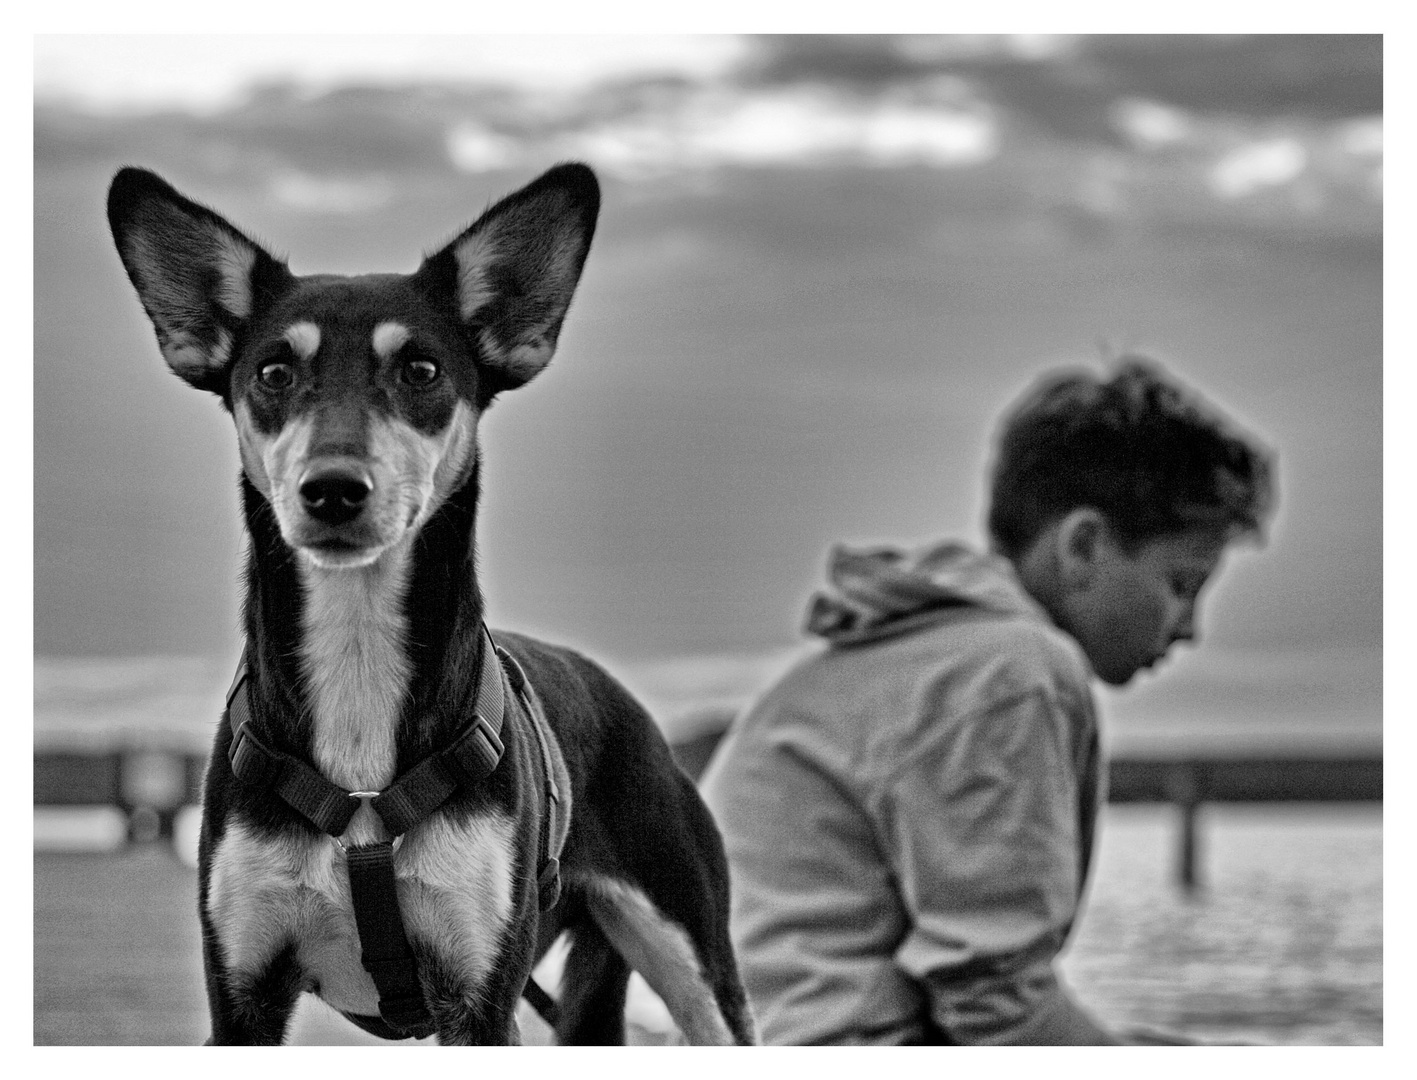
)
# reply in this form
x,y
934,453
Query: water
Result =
x,y
1282,944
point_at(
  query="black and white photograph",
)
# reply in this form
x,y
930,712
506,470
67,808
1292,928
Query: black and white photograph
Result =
x,y
672,539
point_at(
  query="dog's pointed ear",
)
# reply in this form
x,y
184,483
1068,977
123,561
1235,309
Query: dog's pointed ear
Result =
x,y
512,273
198,277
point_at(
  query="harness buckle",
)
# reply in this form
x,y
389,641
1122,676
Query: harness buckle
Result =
x,y
250,761
365,798
476,754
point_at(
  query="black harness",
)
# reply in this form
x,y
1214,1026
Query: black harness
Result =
x,y
471,757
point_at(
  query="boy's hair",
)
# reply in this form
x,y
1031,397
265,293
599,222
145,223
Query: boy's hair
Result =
x,y
1138,448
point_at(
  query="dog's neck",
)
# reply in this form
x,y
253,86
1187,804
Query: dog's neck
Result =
x,y
355,657
364,671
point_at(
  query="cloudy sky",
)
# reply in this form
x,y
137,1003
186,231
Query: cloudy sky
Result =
x,y
825,265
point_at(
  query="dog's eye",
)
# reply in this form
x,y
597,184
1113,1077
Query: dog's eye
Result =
x,y
418,371
276,376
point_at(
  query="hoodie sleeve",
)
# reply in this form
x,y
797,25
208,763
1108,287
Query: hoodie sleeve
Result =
x,y
982,824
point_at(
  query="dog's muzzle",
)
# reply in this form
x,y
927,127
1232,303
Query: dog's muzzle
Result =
x,y
335,493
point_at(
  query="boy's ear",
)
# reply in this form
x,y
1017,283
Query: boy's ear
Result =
x,y
198,277
1080,541
512,273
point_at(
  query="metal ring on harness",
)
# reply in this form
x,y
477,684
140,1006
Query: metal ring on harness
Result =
x,y
364,797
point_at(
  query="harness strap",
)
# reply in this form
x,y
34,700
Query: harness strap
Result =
x,y
472,756
553,831
327,807
544,1004
469,759
384,949
548,877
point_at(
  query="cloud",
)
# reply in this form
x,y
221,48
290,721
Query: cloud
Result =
x,y
1270,163
1065,82
1151,124
212,72
807,125
332,195
1101,130
1317,76
474,147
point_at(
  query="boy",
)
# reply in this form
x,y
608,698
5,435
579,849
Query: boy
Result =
x,y
909,813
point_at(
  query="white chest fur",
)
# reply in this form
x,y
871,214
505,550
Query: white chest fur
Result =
x,y
355,660
454,888
454,875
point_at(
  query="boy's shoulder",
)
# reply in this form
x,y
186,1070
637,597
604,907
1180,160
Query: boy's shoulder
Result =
x,y
856,712
966,656
870,707
974,637
1028,649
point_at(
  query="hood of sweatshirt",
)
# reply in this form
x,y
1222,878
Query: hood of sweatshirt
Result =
x,y
876,592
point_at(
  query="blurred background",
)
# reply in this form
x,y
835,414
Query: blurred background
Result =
x,y
825,266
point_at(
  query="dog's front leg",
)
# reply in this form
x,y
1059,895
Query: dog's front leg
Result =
x,y
474,1019
477,1011
251,1010
460,1032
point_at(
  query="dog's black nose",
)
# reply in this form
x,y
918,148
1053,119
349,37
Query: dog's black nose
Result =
x,y
334,495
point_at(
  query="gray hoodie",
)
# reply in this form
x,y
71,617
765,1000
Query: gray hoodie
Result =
x,y
909,812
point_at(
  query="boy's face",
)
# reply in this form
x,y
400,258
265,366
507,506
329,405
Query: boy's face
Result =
x,y
1133,608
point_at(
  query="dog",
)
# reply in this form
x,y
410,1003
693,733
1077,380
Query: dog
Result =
x,y
403,810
